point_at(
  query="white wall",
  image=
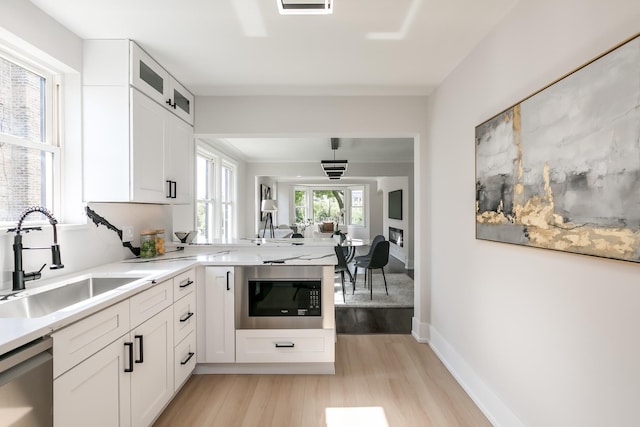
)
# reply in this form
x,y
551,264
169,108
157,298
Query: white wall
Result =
x,y
540,338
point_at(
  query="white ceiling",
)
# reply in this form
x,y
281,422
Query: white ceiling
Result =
x,y
244,47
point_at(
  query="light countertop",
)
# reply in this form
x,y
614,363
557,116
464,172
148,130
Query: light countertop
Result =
x,y
15,332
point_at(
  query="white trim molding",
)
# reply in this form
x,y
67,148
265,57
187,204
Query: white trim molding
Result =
x,y
420,330
486,399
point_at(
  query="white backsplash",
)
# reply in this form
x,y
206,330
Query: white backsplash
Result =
x,y
83,246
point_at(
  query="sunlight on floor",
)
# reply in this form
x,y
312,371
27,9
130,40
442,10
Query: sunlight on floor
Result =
x,y
355,417
15,416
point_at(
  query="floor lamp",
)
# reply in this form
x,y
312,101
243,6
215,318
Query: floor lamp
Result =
x,y
268,206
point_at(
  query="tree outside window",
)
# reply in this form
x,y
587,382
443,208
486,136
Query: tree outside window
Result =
x,y
328,205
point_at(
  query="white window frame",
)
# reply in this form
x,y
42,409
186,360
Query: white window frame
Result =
x,y
230,231
52,138
348,206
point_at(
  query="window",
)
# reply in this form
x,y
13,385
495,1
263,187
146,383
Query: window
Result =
x,y
215,195
29,151
300,205
226,201
328,205
356,212
205,201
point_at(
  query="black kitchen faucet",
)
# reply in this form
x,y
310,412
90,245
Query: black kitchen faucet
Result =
x,y
19,276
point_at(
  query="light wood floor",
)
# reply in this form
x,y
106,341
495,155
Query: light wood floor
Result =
x,y
392,372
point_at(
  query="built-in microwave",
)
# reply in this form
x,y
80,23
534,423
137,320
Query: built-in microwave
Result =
x,y
284,297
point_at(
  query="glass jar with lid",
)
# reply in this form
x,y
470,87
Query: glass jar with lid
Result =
x,y
160,241
147,243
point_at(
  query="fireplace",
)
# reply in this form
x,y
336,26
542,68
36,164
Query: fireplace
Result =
x,y
396,236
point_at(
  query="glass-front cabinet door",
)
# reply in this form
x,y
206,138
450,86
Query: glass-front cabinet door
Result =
x,y
182,101
148,76
154,81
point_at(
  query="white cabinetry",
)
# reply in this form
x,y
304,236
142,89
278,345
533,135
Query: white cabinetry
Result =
x,y
152,376
157,83
115,368
218,321
184,326
262,344
136,147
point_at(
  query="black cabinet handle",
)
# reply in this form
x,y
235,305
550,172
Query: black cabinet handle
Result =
x,y
285,345
171,104
187,317
130,345
172,189
228,274
185,361
141,359
189,282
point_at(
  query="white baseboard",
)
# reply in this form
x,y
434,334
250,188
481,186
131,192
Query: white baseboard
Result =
x,y
420,330
489,403
266,368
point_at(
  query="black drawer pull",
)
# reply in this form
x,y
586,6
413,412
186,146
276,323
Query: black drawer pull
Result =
x,y
189,282
187,317
130,345
185,361
141,359
285,345
228,274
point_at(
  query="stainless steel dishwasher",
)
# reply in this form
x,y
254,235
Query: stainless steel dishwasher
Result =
x,y
26,385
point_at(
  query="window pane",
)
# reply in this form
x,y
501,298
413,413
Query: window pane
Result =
x,y
226,184
22,102
226,221
202,172
25,180
328,205
357,215
357,207
300,205
204,219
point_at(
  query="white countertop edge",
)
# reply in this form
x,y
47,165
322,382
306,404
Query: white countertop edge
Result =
x,y
15,332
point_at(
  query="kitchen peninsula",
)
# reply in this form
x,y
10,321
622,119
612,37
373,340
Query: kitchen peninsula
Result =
x,y
208,308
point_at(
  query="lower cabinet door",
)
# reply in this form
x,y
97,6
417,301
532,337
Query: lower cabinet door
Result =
x,y
96,392
152,376
185,359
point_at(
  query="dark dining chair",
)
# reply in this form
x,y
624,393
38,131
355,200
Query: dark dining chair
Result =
x,y
379,259
342,267
363,259
376,239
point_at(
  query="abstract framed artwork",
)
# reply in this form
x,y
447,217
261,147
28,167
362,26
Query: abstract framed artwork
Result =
x,y
561,169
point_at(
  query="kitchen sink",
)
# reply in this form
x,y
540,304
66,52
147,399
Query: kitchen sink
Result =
x,y
49,301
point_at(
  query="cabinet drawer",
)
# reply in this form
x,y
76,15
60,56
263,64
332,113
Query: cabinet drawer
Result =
x,y
184,284
184,315
80,340
185,359
285,345
150,302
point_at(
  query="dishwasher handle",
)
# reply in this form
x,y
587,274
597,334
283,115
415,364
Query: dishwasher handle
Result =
x,y
26,352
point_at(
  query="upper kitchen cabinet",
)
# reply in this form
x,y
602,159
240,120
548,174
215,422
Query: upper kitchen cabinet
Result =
x,y
148,76
137,148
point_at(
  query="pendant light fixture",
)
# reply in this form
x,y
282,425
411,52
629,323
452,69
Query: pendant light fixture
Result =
x,y
334,169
